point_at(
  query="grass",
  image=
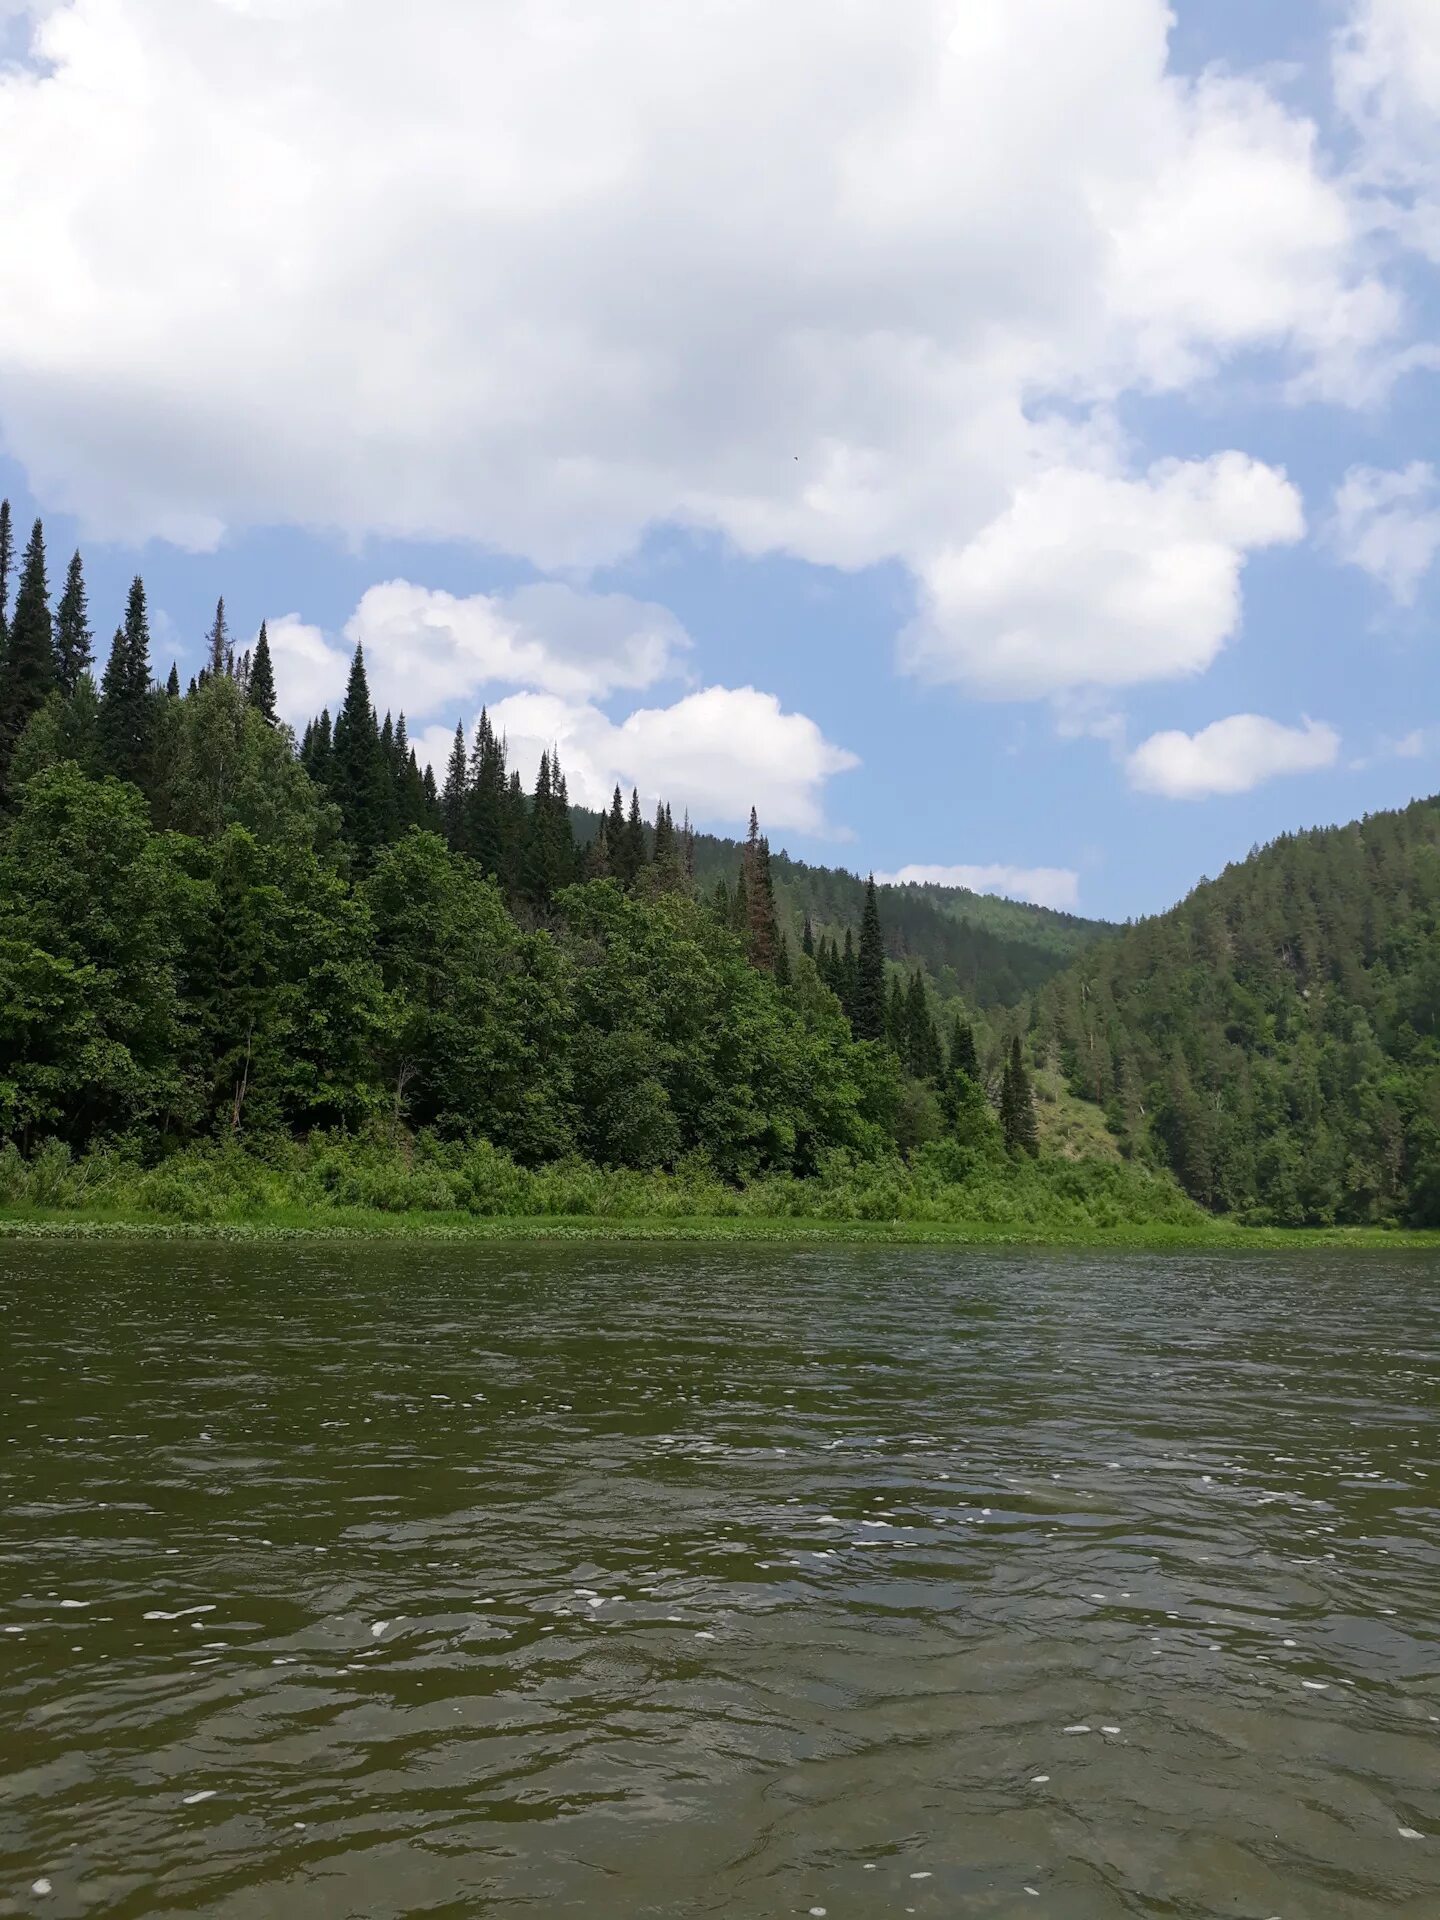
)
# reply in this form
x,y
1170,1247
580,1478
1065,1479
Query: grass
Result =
x,y
347,1188
361,1223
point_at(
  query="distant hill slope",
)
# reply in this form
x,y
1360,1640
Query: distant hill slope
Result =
x,y
986,951
1275,1038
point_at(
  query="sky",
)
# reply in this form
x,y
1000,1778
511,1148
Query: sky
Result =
x,y
995,438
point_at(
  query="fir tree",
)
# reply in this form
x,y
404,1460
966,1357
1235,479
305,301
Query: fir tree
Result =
x,y
218,643
868,1013
896,1017
782,963
7,560
597,854
453,794
362,781
634,839
27,673
74,642
963,1058
261,689
1017,1105
315,756
807,940
687,851
615,839
172,685
127,713
849,973
496,828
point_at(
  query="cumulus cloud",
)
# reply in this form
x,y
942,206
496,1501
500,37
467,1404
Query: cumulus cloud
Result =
x,y
1045,886
1229,756
855,283
718,752
1087,580
1387,77
1388,523
425,650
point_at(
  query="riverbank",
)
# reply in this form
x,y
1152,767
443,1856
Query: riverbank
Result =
x,y
360,1223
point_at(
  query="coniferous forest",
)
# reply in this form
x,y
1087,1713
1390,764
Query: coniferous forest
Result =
x,y
221,946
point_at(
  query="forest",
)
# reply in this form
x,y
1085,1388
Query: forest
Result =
x,y
217,939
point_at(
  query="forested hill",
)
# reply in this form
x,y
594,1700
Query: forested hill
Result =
x,y
1276,1037
987,951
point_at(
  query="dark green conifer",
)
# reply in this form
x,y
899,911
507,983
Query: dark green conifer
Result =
x,y
635,853
74,642
27,672
261,691
127,712
453,795
1017,1105
868,1012
807,940
7,561
362,779
849,972
782,963
597,854
172,685
963,1058
218,643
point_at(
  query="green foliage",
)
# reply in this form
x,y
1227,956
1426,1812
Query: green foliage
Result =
x,y
1275,1039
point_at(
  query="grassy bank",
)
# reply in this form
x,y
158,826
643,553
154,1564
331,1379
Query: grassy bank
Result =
x,y
344,1188
356,1224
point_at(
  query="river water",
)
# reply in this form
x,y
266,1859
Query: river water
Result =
x,y
670,1581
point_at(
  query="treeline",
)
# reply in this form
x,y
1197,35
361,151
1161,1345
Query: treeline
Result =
x,y
209,933
1275,1039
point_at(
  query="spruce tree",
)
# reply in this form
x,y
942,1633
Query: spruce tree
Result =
x,y
261,690
127,713
172,685
868,1014
849,972
897,1017
597,854
687,851
807,940
362,782
7,560
615,839
782,963
218,643
454,794
1017,1105
496,831
27,673
635,857
315,755
963,1058
74,642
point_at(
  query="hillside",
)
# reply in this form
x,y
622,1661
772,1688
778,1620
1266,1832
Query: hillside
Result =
x,y
1275,1038
975,947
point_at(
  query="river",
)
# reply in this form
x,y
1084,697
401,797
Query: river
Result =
x,y
387,1581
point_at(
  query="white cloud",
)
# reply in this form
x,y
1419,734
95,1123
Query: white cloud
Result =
x,y
1387,78
426,650
544,273
1093,581
1389,524
718,752
1046,886
1229,756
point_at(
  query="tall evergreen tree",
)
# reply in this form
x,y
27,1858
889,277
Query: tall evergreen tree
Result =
x,y
362,781
74,642
1017,1105
496,830
597,854
127,711
218,643
963,1057
27,673
261,688
807,940
634,839
868,1015
455,792
849,974
172,685
7,561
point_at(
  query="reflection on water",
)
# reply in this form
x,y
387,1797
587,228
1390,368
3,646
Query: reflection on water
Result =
x,y
672,1582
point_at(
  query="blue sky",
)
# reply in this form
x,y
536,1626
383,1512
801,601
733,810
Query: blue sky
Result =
x,y
986,448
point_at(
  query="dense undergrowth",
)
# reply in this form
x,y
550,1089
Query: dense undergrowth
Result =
x,y
425,1176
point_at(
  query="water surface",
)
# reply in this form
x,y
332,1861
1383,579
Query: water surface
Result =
x,y
670,1582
